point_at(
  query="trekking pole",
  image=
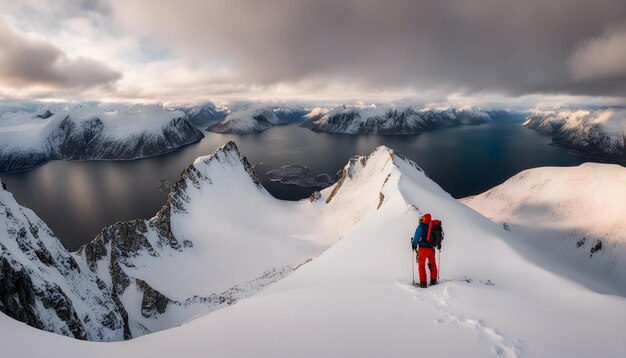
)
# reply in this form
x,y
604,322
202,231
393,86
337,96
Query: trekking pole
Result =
x,y
439,266
413,265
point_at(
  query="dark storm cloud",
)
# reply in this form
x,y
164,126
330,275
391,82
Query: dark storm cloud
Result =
x,y
511,47
26,62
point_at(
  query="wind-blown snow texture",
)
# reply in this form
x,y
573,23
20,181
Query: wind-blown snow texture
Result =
x,y
392,120
576,215
87,132
599,133
255,118
355,298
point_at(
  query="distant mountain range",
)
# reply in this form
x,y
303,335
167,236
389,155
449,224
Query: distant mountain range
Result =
x,y
599,133
391,120
91,132
255,118
385,120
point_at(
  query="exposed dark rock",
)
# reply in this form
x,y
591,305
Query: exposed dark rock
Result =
x,y
315,196
597,247
346,172
153,301
19,296
381,198
45,115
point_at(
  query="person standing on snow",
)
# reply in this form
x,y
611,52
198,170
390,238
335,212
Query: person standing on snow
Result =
x,y
425,251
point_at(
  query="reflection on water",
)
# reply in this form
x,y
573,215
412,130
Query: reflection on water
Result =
x,y
78,199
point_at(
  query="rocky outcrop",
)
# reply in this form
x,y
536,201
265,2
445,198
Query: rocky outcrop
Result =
x,y
42,285
153,302
122,248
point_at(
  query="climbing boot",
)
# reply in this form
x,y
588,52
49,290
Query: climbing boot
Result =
x,y
433,282
423,285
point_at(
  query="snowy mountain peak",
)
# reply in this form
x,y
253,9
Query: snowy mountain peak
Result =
x,y
226,155
329,261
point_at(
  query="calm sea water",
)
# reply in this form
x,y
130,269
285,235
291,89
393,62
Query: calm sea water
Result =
x,y
78,199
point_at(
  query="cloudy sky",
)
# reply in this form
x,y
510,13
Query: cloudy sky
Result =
x,y
487,51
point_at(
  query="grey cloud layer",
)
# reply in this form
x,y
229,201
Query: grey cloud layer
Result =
x,y
26,62
513,47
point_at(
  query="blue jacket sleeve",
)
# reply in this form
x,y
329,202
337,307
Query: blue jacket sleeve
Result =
x,y
417,235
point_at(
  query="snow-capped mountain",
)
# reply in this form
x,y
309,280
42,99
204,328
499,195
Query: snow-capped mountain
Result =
x,y
392,120
575,214
355,298
203,114
44,286
599,133
220,237
91,132
205,249
255,118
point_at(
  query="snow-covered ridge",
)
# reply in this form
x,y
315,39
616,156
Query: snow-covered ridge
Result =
x,y
91,132
204,246
355,297
255,118
392,120
599,133
44,286
219,237
577,215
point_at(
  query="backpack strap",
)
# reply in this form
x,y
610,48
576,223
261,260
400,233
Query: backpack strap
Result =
x,y
430,226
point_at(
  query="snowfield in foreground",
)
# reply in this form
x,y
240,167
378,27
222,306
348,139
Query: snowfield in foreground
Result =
x,y
356,298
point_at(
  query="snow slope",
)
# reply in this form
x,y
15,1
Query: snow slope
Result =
x,y
600,133
392,120
574,215
255,118
91,132
219,229
356,298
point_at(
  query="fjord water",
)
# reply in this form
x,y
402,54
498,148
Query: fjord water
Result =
x,y
78,199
